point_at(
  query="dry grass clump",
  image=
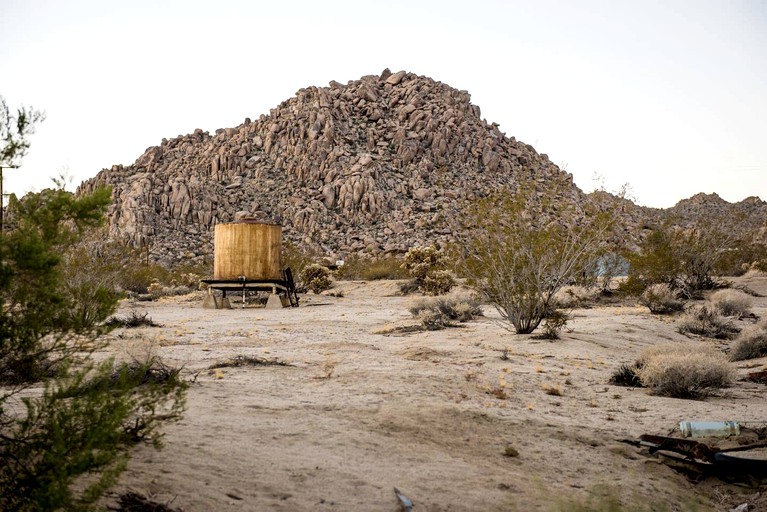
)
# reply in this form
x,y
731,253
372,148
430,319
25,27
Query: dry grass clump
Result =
x,y
707,321
684,370
627,375
734,303
751,343
133,320
240,361
661,299
436,313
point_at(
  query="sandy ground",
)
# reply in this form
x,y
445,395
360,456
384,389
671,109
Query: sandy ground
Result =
x,y
358,413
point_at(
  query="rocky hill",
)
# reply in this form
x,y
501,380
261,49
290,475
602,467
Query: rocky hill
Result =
x,y
376,165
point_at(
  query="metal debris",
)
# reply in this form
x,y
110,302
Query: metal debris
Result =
x,y
405,504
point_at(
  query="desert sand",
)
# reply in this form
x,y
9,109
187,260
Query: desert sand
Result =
x,y
436,414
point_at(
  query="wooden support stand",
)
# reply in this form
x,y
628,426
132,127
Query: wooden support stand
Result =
x,y
283,290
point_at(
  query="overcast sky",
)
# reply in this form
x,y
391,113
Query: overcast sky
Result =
x,y
668,96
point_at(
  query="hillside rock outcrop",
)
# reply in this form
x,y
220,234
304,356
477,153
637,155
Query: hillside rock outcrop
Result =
x,y
377,165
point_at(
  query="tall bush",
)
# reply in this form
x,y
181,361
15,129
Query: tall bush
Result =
x,y
518,261
684,259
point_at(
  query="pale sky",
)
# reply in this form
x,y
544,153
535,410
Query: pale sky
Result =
x,y
667,96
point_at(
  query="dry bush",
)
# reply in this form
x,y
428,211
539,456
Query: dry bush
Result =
x,y
733,303
708,322
440,312
133,320
627,375
684,370
750,344
661,299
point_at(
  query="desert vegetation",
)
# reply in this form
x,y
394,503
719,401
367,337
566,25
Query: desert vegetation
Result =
x,y
436,313
61,448
683,259
684,370
519,263
428,267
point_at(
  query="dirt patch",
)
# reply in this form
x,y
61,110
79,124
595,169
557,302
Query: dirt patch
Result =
x,y
433,413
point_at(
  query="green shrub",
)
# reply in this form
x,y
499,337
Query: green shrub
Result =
x,y
61,449
661,299
683,259
684,370
734,303
518,262
316,278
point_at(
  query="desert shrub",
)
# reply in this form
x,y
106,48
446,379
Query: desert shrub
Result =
x,y
760,265
296,258
707,321
428,266
733,303
518,262
440,312
627,375
60,449
750,344
132,320
684,370
438,282
316,278
554,323
684,259
740,257
661,299
371,269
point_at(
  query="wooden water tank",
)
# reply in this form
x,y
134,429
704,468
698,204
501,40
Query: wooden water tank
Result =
x,y
249,249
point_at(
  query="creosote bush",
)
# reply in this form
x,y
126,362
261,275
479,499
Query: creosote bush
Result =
x,y
733,303
661,299
684,370
751,343
316,278
685,259
428,266
445,311
706,321
518,261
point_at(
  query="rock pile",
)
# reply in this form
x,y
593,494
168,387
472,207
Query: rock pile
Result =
x,y
377,165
